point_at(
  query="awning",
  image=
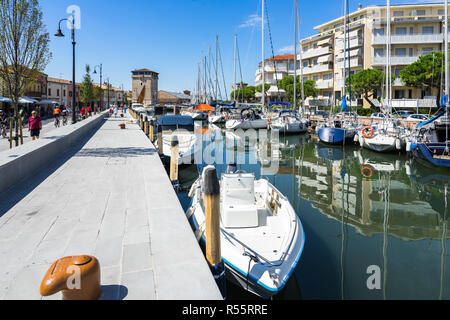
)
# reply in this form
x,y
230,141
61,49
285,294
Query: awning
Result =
x,y
5,100
275,89
324,59
47,102
26,100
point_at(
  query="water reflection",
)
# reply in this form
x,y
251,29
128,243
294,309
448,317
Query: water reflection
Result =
x,y
360,209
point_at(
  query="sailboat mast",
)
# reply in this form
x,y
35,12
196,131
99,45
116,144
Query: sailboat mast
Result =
x,y
388,55
345,46
295,53
301,69
235,66
263,62
348,59
446,51
217,67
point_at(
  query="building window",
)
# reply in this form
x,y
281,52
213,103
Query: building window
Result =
x,y
49,92
400,31
441,12
379,52
64,93
400,52
426,51
427,30
398,13
328,76
411,30
379,32
411,52
57,92
397,73
399,94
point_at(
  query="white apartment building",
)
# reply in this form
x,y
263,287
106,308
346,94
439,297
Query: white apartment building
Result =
x,y
416,29
58,90
276,68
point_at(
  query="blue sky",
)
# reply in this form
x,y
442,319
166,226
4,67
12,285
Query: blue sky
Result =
x,y
169,36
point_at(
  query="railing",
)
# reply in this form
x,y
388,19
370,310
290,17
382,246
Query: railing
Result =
x,y
403,39
317,52
324,84
316,69
354,62
395,60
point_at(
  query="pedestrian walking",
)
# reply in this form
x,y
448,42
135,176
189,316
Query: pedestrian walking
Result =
x,y
83,113
110,112
90,111
35,125
116,111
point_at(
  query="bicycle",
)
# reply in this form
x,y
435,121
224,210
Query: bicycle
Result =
x,y
57,122
65,120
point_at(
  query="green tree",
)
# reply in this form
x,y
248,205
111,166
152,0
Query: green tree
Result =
x,y
244,94
365,83
427,72
24,47
287,84
98,94
87,87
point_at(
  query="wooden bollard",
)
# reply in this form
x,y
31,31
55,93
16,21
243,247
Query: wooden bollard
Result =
x,y
20,130
77,277
141,123
10,133
151,133
160,143
174,156
146,126
212,230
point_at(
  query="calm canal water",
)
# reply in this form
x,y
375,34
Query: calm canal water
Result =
x,y
392,216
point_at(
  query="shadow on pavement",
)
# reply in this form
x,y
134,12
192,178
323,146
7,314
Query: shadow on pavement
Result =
x,y
116,152
16,193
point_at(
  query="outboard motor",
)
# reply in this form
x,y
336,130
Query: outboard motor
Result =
x,y
232,168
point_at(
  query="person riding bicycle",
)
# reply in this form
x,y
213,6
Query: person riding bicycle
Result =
x,y
65,113
56,115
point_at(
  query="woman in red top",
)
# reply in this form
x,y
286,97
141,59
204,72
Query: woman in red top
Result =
x,y
35,125
83,112
90,111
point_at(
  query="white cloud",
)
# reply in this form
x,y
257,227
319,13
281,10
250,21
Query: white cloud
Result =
x,y
252,21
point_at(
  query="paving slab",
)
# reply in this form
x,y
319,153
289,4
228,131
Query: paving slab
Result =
x,y
109,196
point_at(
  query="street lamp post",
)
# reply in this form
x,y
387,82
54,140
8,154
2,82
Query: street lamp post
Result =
x,y
107,88
60,34
101,83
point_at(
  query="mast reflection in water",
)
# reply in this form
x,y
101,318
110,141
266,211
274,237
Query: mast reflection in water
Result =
x,y
361,210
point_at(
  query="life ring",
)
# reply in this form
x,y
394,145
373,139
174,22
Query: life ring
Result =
x,y
368,132
269,121
363,172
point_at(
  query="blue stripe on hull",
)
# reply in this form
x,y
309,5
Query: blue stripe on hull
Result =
x,y
423,152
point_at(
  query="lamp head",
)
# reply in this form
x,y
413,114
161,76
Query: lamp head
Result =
x,y
59,33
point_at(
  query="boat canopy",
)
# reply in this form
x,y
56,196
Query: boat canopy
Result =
x,y
175,122
203,108
279,103
6,100
223,104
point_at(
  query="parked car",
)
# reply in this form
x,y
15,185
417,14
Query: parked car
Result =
x,y
417,118
378,116
403,114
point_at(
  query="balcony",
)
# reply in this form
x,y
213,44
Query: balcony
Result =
x,y
409,39
353,44
316,69
354,62
395,60
324,84
317,52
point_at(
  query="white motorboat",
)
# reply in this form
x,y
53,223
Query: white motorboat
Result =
x,y
288,122
183,128
262,238
249,120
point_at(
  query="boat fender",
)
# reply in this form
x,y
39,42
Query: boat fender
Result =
x,y
356,138
367,172
226,116
193,188
398,144
413,146
361,141
408,146
397,165
408,169
368,132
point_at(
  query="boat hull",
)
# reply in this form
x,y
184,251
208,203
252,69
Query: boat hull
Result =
x,y
336,136
381,143
246,125
425,152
